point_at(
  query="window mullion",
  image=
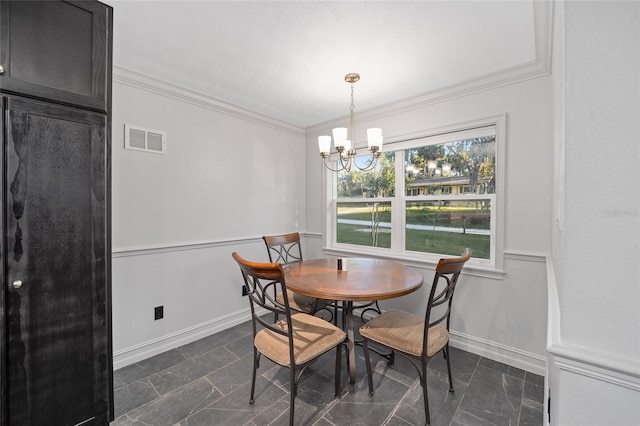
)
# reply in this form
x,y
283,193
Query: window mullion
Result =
x,y
397,205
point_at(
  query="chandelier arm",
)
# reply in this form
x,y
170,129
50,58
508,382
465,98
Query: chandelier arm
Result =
x,y
342,167
346,166
371,164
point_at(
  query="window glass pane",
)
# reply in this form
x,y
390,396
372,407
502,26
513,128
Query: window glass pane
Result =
x,y
448,226
364,224
459,167
379,182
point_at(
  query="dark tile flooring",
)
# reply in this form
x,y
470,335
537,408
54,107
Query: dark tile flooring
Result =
x,y
207,382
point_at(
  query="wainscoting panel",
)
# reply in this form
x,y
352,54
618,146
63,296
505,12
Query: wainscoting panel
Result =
x,y
586,387
198,285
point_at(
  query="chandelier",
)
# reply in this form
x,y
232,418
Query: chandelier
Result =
x,y
346,152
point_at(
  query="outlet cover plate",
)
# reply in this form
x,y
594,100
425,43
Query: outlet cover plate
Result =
x,y
158,313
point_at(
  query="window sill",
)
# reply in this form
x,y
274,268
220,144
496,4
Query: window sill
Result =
x,y
417,262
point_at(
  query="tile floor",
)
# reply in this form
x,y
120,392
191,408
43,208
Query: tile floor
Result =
x,y
207,382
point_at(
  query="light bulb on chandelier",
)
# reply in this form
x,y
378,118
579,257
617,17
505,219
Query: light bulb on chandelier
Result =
x,y
347,153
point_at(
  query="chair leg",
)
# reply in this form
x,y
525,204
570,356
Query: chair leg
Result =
x,y
292,394
338,368
447,356
256,361
392,358
367,362
425,397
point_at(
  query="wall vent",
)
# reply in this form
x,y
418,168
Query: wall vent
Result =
x,y
142,139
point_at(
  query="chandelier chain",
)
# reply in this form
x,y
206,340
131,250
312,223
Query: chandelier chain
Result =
x,y
351,120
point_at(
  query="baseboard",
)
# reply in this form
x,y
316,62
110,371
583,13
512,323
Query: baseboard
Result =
x,y
501,353
505,354
170,341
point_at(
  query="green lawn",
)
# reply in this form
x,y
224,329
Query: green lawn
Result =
x,y
361,235
421,240
445,216
449,243
448,216
452,243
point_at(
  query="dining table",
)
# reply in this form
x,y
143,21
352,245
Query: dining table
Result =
x,y
350,280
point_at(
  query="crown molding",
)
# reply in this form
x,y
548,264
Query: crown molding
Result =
x,y
538,67
147,83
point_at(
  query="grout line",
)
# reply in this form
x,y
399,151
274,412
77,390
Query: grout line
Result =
x,y
154,388
524,384
320,412
397,406
475,369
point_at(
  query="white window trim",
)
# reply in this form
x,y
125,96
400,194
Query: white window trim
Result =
x,y
479,267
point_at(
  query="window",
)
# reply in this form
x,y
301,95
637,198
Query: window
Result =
x,y
428,196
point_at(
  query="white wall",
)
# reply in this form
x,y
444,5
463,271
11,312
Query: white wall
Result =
x,y
229,176
217,191
602,107
223,177
503,319
594,338
177,218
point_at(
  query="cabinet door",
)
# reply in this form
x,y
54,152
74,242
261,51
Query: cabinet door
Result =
x,y
58,359
56,50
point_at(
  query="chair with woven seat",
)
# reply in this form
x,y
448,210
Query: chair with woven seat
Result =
x,y
294,341
415,337
286,249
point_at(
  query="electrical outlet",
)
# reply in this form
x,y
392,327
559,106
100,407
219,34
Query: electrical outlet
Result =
x,y
158,312
244,291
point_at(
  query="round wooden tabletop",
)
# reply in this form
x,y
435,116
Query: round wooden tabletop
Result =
x,y
359,280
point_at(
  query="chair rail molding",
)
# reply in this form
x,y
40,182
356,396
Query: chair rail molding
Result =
x,y
605,363
570,366
181,246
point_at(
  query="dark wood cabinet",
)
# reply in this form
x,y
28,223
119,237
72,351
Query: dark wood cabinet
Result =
x,y
56,238
55,301
56,50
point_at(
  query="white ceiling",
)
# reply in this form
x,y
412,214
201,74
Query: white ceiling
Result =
x,y
287,59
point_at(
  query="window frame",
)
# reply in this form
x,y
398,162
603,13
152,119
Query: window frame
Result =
x,y
491,268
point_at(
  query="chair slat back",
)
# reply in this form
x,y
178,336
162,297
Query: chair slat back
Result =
x,y
284,249
260,281
444,284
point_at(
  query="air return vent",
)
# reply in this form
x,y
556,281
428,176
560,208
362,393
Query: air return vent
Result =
x,y
142,139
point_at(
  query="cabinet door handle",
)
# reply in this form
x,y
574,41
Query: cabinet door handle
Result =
x,y
17,284
1,69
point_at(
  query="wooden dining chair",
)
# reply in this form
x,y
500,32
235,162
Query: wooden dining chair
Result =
x,y
286,249
294,341
415,337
